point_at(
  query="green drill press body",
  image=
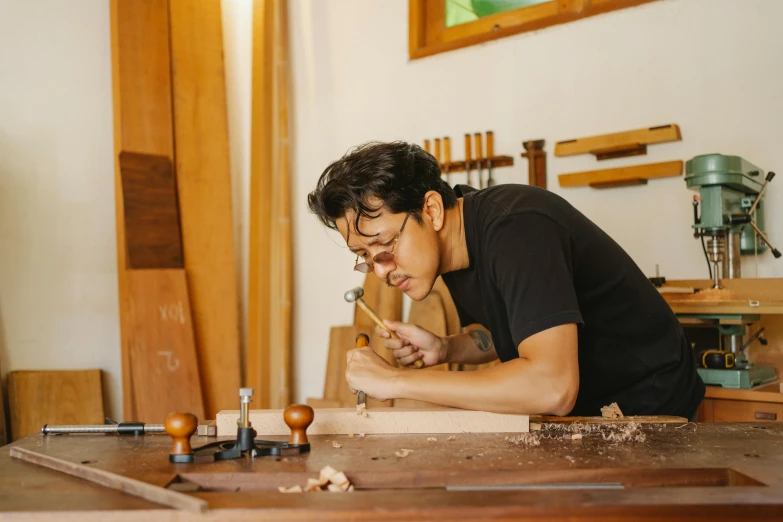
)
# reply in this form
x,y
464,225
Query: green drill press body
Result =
x,y
727,185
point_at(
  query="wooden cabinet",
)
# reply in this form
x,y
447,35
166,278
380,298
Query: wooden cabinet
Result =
x,y
764,403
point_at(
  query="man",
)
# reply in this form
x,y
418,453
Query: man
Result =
x,y
573,320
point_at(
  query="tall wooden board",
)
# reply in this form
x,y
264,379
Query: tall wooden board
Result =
x,y
204,191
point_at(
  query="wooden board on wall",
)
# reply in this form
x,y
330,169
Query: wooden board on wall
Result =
x,y
141,86
204,191
149,195
163,354
43,397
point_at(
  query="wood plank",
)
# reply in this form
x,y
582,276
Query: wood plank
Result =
x,y
149,193
43,397
162,347
114,481
618,141
141,92
387,303
345,421
641,419
204,191
635,172
270,274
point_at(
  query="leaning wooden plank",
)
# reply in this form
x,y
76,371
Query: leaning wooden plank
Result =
x,y
127,485
204,191
162,347
344,421
38,397
618,141
149,193
270,272
141,92
636,172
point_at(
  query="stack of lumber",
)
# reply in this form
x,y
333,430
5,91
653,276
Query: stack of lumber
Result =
x,y
177,281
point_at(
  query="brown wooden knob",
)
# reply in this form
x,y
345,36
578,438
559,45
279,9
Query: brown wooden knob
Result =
x,y
298,417
362,340
180,427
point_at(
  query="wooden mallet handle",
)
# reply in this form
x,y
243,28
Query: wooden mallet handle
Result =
x,y
419,363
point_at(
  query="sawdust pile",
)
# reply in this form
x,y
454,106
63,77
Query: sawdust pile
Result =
x,y
613,432
329,480
525,439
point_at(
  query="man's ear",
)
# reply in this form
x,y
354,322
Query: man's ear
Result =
x,y
434,209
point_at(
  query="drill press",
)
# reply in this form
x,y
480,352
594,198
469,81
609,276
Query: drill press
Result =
x,y
731,192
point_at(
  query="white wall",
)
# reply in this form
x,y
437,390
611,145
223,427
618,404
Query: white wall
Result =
x,y
712,66
58,261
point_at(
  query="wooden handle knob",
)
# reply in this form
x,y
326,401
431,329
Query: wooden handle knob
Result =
x,y
467,148
298,417
446,150
362,340
180,427
490,144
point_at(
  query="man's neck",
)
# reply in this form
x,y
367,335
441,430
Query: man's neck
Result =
x,y
452,236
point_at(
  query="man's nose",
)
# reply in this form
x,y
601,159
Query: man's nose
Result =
x,y
382,270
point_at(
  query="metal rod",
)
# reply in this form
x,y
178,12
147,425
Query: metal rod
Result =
x,y
124,428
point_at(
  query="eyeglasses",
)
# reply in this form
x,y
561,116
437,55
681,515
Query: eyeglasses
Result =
x,y
381,257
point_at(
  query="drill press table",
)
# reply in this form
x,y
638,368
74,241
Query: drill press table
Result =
x,y
681,471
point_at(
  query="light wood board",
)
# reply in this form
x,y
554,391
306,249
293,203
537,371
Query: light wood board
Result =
x,y
345,421
107,479
141,92
53,397
593,144
162,348
204,191
384,301
270,281
621,175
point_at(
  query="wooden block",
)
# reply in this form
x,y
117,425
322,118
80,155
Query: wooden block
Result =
x,y
162,348
204,192
618,183
141,92
43,397
149,194
344,421
615,142
622,174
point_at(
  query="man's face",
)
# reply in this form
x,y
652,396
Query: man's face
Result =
x,y
416,251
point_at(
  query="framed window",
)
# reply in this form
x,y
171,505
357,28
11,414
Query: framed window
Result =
x,y
437,26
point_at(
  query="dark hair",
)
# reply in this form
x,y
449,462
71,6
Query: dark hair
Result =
x,y
397,173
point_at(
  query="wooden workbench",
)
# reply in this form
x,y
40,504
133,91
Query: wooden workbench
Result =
x,y
681,471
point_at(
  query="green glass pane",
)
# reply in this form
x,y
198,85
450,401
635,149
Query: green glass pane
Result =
x,y
464,11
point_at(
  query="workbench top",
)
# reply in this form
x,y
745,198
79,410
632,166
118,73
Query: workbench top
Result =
x,y
679,471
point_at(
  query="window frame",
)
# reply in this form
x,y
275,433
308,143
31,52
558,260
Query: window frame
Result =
x,y
428,35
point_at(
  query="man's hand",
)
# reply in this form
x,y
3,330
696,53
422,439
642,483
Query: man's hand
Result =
x,y
414,343
366,371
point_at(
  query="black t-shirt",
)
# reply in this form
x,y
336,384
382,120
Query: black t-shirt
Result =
x,y
535,263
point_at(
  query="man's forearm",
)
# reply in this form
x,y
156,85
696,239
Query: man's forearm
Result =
x,y
475,346
516,386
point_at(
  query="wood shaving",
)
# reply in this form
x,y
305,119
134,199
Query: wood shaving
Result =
x,y
630,432
361,435
328,480
576,436
452,437
293,489
336,444
611,412
525,439
432,439
403,453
